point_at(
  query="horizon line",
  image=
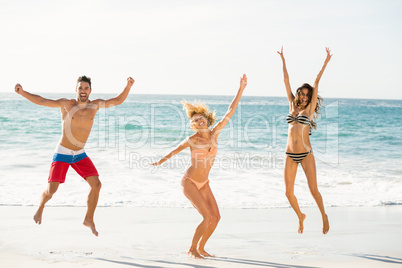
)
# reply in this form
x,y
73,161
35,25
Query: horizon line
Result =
x,y
176,94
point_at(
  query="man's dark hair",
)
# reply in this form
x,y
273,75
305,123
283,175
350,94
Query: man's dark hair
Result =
x,y
84,79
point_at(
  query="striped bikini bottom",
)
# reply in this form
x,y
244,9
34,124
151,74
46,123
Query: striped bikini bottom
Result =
x,y
298,157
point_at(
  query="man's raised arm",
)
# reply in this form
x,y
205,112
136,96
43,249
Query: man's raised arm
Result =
x,y
38,99
116,100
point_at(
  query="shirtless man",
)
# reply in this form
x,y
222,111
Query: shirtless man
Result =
x,y
77,120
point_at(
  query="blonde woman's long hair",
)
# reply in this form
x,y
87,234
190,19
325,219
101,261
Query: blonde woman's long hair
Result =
x,y
198,107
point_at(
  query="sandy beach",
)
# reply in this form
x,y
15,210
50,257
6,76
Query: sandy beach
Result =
x,y
159,237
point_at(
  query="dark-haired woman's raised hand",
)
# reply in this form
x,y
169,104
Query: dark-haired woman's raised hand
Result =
x,y
289,93
281,53
329,55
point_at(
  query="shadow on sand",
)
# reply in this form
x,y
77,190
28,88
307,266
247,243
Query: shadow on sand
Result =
x,y
260,263
379,258
134,264
233,261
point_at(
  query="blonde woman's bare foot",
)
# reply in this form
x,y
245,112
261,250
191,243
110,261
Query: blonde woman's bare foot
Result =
x,y
38,216
325,224
204,253
301,226
193,253
91,224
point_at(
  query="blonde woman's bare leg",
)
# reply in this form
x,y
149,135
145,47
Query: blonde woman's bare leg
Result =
x,y
289,177
310,170
198,201
209,197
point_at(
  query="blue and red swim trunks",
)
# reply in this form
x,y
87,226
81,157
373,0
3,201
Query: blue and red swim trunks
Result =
x,y
63,158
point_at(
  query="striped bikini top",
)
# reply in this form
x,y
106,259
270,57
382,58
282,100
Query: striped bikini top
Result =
x,y
301,119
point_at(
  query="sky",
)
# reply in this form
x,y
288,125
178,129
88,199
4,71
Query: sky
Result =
x,y
202,47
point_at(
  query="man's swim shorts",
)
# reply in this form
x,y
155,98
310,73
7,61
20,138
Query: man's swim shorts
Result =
x,y
63,158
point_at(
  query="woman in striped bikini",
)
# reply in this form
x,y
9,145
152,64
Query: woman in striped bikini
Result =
x,y
303,110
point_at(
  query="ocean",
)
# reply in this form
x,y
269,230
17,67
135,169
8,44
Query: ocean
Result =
x,y
357,147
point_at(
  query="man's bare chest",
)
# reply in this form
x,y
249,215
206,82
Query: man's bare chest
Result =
x,y
79,114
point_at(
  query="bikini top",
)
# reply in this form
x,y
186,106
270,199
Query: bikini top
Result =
x,y
301,119
201,153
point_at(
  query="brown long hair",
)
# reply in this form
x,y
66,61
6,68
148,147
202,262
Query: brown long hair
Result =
x,y
298,102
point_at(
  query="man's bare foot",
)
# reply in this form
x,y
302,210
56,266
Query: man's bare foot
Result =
x,y
204,253
91,224
301,226
193,253
325,224
38,216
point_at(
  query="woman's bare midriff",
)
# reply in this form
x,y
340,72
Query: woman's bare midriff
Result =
x,y
199,169
298,139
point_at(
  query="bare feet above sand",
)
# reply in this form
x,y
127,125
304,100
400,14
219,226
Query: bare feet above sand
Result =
x,y
204,253
301,226
194,254
38,216
90,223
325,224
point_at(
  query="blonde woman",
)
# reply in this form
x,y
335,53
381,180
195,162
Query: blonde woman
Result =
x,y
303,109
195,182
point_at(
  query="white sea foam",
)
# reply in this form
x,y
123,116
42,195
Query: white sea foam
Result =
x,y
236,187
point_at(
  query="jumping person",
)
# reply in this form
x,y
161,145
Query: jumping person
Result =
x,y
303,110
195,182
77,120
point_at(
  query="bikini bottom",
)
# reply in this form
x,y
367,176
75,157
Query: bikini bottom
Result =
x,y
298,157
199,185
